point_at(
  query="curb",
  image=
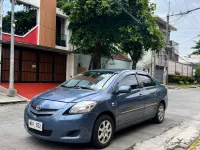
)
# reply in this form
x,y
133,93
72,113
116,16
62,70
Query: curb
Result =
x,y
178,88
24,100
195,144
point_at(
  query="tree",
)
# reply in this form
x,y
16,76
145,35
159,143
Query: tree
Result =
x,y
143,37
25,21
197,73
197,47
102,28
135,51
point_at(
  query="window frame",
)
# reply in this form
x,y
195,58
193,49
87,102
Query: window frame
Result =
x,y
124,76
155,84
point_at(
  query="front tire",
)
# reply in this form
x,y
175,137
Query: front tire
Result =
x,y
103,132
160,114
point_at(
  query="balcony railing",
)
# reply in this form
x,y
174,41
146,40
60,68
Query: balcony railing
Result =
x,y
61,40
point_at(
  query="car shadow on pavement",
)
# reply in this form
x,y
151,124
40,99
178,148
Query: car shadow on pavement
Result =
x,y
130,130
63,146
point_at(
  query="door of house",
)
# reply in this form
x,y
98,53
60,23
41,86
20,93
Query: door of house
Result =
x,y
5,70
28,66
45,67
59,68
34,66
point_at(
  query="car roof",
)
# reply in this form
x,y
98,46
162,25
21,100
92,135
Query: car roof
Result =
x,y
122,71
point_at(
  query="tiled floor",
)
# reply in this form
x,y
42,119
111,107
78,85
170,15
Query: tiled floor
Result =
x,y
28,90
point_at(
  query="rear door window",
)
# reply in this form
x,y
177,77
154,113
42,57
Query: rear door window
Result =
x,y
146,80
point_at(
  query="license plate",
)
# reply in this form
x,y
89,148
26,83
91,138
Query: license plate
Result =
x,y
35,125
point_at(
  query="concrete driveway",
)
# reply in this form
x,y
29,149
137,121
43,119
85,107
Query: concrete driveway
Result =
x,y
183,106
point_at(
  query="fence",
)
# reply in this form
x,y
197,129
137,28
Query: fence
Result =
x,y
184,70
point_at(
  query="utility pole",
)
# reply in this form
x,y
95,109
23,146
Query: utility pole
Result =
x,y
11,90
1,19
165,75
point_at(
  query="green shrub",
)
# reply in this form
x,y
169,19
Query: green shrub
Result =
x,y
183,78
195,82
177,74
187,82
191,80
176,79
197,73
181,82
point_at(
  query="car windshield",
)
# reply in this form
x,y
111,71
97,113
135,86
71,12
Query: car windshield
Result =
x,y
91,80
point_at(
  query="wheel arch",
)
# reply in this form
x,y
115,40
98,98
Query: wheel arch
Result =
x,y
109,113
164,103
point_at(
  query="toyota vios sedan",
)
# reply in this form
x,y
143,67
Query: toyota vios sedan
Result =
x,y
95,104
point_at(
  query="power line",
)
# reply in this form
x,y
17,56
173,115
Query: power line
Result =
x,y
183,13
177,20
191,13
166,2
195,19
189,40
187,12
177,4
183,56
185,60
127,12
191,22
186,4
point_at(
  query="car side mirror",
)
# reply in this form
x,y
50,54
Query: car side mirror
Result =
x,y
124,89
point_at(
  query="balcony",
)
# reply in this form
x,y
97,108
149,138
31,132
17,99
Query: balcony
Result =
x,y
61,40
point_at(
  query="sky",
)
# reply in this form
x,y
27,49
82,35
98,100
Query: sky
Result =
x,y
7,7
188,26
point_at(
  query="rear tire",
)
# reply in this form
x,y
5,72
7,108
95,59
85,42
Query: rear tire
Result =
x,y
160,114
103,132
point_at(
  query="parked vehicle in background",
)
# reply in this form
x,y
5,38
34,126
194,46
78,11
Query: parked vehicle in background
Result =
x,y
95,104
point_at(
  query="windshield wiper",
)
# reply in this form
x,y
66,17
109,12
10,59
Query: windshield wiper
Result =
x,y
81,87
78,87
63,86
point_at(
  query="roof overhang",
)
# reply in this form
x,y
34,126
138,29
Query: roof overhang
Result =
x,y
164,23
37,47
34,3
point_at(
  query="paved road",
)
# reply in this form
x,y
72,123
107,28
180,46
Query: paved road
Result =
x,y
182,105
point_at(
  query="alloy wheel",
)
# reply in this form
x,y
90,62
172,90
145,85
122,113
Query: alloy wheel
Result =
x,y
105,132
161,112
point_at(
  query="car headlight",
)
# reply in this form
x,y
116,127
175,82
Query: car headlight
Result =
x,y
82,107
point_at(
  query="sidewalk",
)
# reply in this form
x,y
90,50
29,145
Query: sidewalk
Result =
x,y
4,99
178,137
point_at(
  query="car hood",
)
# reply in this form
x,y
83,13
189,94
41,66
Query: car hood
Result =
x,y
67,95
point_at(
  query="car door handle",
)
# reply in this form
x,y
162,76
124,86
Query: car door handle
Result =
x,y
140,94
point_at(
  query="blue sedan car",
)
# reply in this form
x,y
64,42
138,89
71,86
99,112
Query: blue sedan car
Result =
x,y
95,104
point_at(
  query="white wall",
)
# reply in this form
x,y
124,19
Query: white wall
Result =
x,y
118,64
145,61
60,13
184,70
70,67
84,60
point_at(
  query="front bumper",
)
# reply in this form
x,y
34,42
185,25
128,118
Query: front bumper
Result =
x,y
62,128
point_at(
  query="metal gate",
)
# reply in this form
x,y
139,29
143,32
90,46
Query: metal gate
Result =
x,y
34,66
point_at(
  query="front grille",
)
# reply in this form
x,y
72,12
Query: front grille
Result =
x,y
42,133
42,112
41,115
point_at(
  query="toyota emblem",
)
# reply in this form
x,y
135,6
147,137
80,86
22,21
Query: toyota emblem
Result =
x,y
38,107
